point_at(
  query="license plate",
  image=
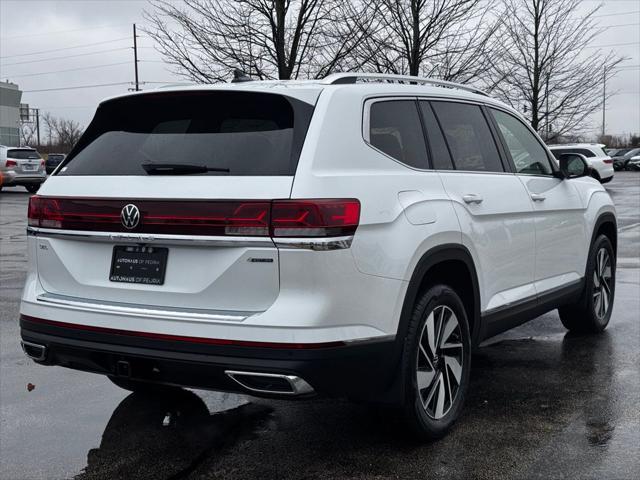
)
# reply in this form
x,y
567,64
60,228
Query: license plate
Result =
x,y
29,168
135,264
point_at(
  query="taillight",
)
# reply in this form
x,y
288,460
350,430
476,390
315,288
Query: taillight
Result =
x,y
41,164
11,163
314,218
261,218
33,212
607,161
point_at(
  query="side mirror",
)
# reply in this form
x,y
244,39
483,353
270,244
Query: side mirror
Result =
x,y
573,165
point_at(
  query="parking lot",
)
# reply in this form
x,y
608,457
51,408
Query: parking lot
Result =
x,y
542,404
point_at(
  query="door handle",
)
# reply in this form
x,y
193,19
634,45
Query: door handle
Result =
x,y
472,198
536,197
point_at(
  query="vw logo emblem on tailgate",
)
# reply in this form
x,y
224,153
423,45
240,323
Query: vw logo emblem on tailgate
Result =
x,y
130,216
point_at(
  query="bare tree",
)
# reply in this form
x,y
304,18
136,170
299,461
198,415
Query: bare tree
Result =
x,y
205,40
28,134
62,133
448,39
546,67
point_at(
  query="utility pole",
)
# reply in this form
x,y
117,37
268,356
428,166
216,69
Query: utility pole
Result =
x,y
38,124
135,55
547,95
604,98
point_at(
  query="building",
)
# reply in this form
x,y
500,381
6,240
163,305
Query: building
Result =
x,y
10,96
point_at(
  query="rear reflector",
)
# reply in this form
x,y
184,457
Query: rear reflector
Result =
x,y
262,218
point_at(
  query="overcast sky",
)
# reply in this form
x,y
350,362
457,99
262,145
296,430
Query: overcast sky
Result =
x,y
28,27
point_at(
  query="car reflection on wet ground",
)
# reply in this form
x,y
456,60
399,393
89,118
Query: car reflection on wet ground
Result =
x,y
542,404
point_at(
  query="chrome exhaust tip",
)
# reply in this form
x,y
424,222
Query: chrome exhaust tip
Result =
x,y
34,351
271,383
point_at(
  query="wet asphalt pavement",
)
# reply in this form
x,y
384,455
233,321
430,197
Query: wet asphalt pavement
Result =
x,y
542,404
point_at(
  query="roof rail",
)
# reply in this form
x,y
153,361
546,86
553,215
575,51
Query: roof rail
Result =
x,y
346,78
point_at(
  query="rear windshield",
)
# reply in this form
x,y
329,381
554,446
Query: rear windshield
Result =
x,y
234,133
23,154
55,157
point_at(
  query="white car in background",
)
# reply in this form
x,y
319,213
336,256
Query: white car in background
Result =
x,y
598,160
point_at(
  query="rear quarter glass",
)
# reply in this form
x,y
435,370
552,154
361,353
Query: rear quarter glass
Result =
x,y
246,133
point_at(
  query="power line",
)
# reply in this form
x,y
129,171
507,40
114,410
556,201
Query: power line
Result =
x,y
67,70
66,48
616,14
613,45
62,31
66,56
78,87
621,25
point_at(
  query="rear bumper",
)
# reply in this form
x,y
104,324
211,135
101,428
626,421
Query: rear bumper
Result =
x,y
23,180
363,370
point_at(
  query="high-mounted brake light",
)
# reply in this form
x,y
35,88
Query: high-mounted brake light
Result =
x,y
255,218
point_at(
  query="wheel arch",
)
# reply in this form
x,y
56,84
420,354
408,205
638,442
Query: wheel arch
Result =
x,y
451,264
606,224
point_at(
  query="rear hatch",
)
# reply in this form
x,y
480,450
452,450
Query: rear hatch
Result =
x,y
165,202
26,161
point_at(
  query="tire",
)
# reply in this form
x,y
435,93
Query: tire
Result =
x,y
141,387
33,188
591,314
433,402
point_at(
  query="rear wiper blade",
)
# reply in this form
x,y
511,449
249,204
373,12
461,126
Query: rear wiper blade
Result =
x,y
179,169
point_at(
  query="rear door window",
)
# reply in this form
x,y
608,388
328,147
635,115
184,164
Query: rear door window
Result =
x,y
468,136
395,129
231,133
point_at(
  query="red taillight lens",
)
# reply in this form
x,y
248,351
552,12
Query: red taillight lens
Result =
x,y
45,212
314,218
278,218
33,212
608,161
11,163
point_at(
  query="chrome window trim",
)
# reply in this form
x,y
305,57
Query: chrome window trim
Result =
x,y
144,311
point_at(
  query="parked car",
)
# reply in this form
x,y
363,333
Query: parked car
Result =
x,y
601,164
634,162
621,161
21,166
53,160
612,151
338,237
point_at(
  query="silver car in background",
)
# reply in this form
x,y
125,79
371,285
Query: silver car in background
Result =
x,y
21,166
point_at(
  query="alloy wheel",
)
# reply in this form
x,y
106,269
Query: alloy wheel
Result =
x,y
602,283
439,362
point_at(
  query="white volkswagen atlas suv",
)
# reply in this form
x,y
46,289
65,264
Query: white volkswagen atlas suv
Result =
x,y
354,236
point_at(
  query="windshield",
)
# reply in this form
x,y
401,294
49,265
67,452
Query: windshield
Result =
x,y
231,133
23,154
